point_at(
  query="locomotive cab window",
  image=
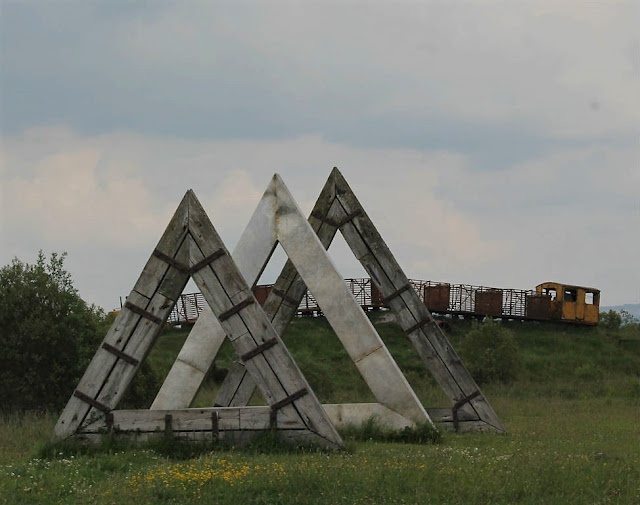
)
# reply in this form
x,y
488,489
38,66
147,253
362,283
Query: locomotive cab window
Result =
x,y
590,298
549,291
570,295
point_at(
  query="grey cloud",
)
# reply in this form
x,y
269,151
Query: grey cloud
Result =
x,y
411,76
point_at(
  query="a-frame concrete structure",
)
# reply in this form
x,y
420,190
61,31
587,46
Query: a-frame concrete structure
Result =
x,y
191,248
278,219
337,208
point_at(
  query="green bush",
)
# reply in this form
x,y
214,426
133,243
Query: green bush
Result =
x,y
610,320
630,328
491,354
45,331
142,390
588,372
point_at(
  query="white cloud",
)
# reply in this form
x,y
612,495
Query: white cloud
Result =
x,y
80,196
561,216
66,200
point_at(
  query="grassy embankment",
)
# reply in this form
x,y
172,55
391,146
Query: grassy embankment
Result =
x,y
572,416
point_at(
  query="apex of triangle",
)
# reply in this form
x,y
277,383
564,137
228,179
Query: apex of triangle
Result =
x,y
188,198
193,200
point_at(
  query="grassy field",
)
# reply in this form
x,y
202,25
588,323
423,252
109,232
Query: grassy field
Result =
x,y
572,415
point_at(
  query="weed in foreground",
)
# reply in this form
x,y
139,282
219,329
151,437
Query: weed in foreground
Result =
x,y
267,442
62,449
373,430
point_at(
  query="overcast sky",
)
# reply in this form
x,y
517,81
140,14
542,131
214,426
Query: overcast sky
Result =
x,y
492,143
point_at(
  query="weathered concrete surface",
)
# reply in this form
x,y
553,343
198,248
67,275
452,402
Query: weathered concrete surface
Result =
x,y
279,219
360,339
251,254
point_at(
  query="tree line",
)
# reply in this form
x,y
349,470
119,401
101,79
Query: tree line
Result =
x,y
48,335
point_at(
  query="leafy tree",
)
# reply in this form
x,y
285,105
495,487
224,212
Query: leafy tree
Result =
x,y
47,334
610,320
630,328
491,354
627,318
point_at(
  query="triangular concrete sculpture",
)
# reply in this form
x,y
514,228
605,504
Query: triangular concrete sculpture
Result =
x,y
338,208
278,219
191,248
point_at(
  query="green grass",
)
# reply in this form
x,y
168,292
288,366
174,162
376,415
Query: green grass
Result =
x,y
557,452
572,415
557,359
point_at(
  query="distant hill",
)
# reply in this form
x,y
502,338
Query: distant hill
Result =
x,y
631,308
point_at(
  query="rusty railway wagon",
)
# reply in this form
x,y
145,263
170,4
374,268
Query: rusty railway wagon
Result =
x,y
550,301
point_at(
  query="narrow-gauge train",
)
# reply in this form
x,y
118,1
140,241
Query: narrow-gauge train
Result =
x,y
550,301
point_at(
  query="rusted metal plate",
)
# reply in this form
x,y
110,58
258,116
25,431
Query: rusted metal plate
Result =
x,y
122,355
376,296
235,309
289,399
489,303
397,292
259,349
142,312
539,306
206,261
262,293
91,401
436,298
169,260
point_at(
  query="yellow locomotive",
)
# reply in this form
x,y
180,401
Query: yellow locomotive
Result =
x,y
562,302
